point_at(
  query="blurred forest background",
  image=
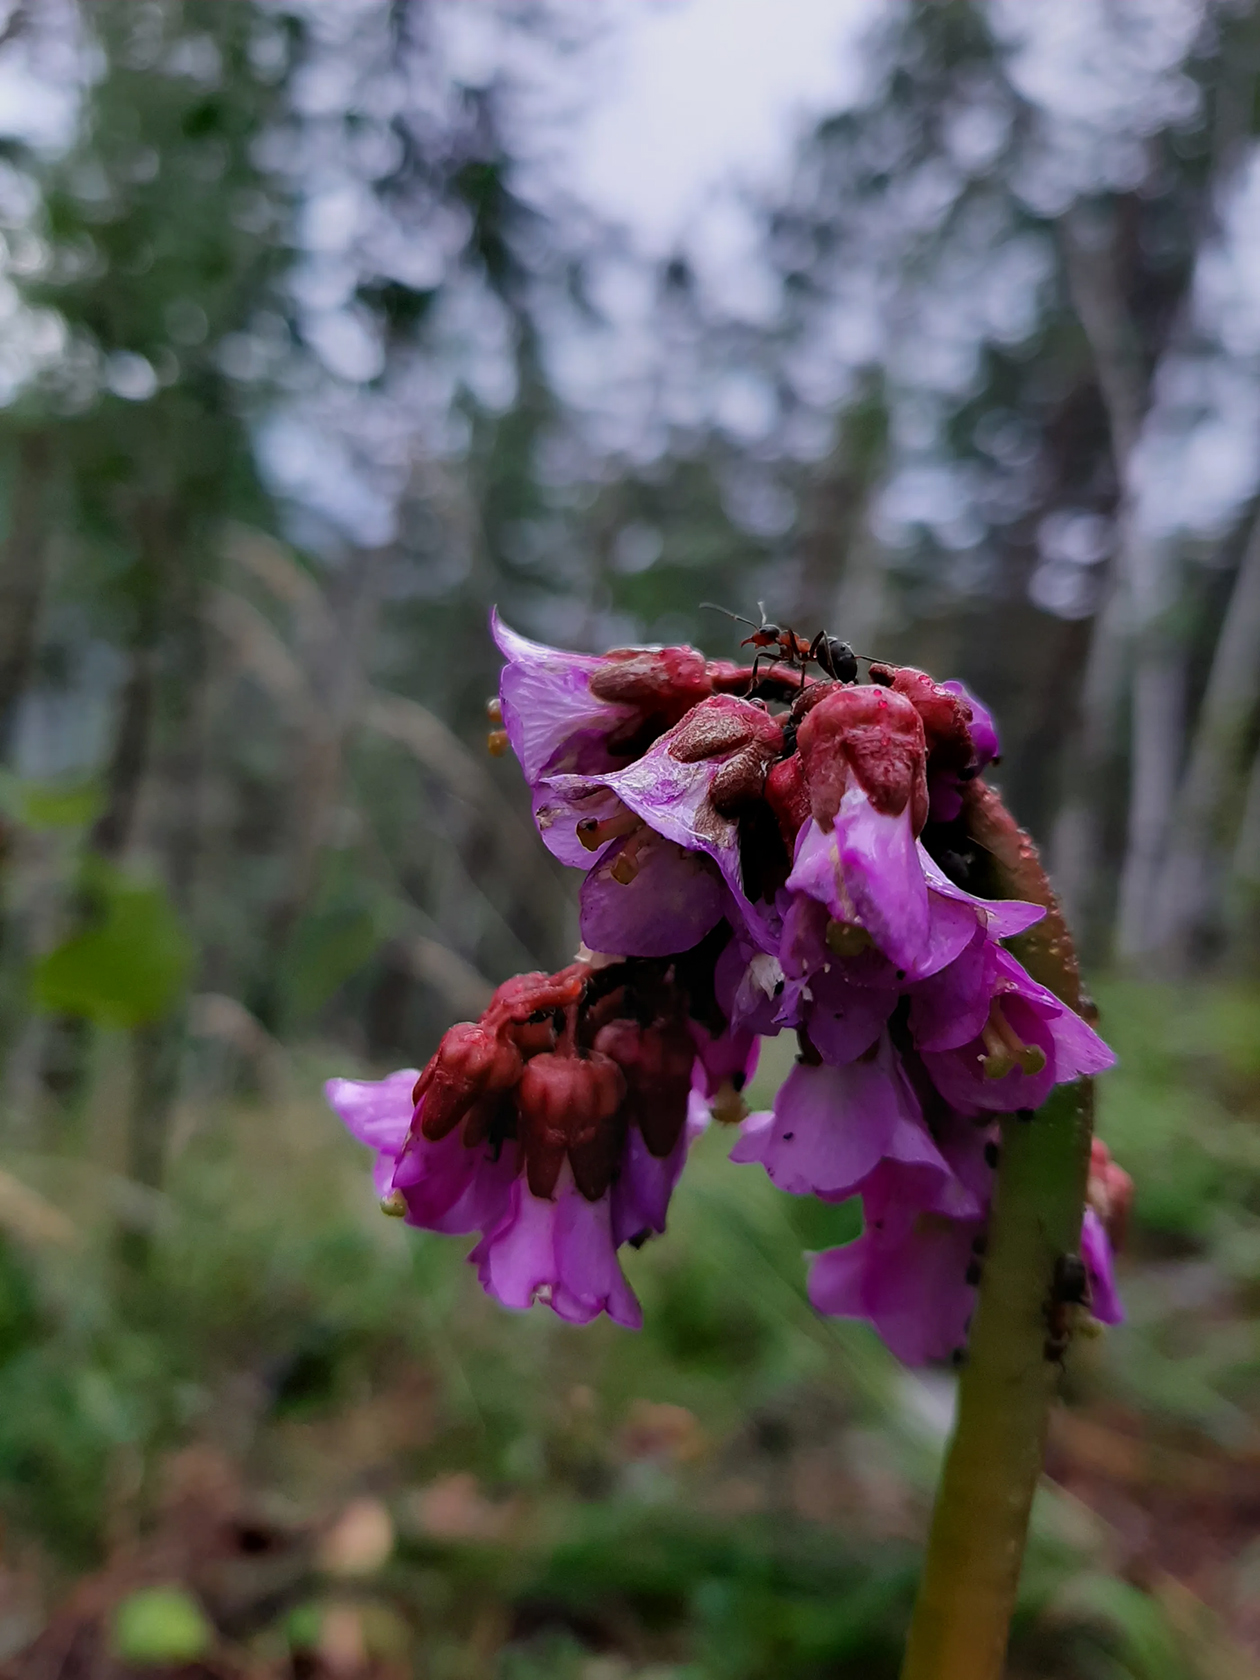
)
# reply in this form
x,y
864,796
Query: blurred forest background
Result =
x,y
308,355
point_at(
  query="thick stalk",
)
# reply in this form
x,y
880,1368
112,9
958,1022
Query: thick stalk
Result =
x,y
980,1523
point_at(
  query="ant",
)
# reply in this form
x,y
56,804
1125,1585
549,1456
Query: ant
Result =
x,y
1069,1288
777,644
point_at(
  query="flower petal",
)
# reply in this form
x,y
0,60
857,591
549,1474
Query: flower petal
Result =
x,y
1104,1297
831,1125
1005,916
546,698
912,1288
675,898
950,1007
589,1279
375,1111
844,1020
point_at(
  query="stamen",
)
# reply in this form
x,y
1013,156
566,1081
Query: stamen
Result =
x,y
394,1206
998,1061
847,939
1006,1050
593,833
494,710
497,743
626,864
728,1108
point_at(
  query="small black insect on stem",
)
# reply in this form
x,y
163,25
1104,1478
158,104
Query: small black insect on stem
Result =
x,y
1069,1288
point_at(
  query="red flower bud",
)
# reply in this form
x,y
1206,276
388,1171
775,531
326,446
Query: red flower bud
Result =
x,y
873,734
567,1106
1110,1192
657,1063
471,1062
946,717
531,994
788,797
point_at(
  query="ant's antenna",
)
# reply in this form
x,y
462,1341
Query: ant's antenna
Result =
x,y
738,617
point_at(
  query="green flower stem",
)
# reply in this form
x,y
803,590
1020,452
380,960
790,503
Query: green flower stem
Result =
x,y
979,1527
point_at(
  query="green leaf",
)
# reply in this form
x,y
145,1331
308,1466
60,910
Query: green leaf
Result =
x,y
126,968
160,1625
58,804
68,803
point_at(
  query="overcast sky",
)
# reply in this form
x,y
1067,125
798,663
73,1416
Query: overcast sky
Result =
x,y
698,92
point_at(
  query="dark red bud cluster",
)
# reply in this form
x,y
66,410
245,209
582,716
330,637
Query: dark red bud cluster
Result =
x,y
946,716
749,739
560,1066
663,684
567,1106
656,1060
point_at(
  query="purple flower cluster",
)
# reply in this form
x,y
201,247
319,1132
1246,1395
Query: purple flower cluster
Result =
x,y
747,871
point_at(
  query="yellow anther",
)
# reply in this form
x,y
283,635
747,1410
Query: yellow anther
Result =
x,y
847,939
494,711
1005,1049
728,1108
624,868
497,743
394,1206
593,833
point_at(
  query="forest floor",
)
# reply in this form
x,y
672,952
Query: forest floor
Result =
x,y
268,1431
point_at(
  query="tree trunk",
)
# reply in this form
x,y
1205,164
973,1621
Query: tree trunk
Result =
x,y
64,1060
22,578
1158,710
1187,903
1090,260
840,588
335,671
1245,874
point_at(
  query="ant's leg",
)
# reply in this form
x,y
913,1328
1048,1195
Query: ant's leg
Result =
x,y
770,659
818,653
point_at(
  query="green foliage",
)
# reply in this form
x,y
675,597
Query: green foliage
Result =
x,y
160,1626
129,964
52,805
19,1317
274,1274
